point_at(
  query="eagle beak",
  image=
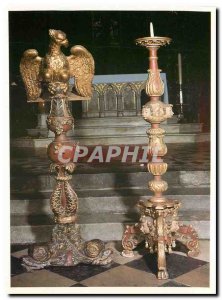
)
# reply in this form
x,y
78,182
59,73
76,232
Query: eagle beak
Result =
x,y
65,43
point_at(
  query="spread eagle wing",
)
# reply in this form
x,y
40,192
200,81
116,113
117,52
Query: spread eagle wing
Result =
x,y
30,70
82,68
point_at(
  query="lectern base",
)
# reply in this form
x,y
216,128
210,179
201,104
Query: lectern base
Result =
x,y
67,248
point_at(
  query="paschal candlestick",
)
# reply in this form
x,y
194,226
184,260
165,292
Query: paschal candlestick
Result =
x,y
158,224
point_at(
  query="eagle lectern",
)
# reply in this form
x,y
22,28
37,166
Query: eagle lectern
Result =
x,y
47,79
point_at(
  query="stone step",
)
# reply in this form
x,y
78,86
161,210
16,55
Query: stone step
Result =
x,y
136,139
134,122
115,139
128,129
121,192
105,226
111,181
111,204
116,126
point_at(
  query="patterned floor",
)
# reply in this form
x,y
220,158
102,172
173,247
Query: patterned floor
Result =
x,y
138,271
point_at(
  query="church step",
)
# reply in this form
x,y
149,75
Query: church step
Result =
x,y
30,229
140,139
129,129
114,181
120,192
113,139
134,122
111,204
116,126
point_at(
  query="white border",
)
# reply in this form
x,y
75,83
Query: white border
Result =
x,y
101,5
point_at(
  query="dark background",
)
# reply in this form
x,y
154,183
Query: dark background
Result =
x,y
109,36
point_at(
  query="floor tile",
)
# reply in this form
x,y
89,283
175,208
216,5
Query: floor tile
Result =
x,y
204,251
174,283
81,272
78,285
196,278
123,276
117,253
140,270
16,267
176,264
146,263
20,253
42,278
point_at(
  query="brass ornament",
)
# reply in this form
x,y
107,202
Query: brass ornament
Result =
x,y
47,79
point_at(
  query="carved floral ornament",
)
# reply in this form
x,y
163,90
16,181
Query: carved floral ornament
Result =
x,y
157,186
157,168
157,111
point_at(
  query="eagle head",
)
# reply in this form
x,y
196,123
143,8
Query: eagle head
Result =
x,y
59,37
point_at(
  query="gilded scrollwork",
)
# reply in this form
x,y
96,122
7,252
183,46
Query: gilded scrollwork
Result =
x,y
157,168
132,236
58,123
188,236
64,203
154,84
153,41
157,186
67,248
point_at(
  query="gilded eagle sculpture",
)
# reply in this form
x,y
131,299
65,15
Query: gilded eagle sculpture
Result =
x,y
47,79
44,75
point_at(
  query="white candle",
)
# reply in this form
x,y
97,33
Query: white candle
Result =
x,y
151,30
180,68
181,96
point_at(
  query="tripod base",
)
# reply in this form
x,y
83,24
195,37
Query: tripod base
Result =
x,y
66,248
159,228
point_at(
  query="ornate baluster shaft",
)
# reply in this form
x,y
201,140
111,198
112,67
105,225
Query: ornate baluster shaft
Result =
x,y
158,222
